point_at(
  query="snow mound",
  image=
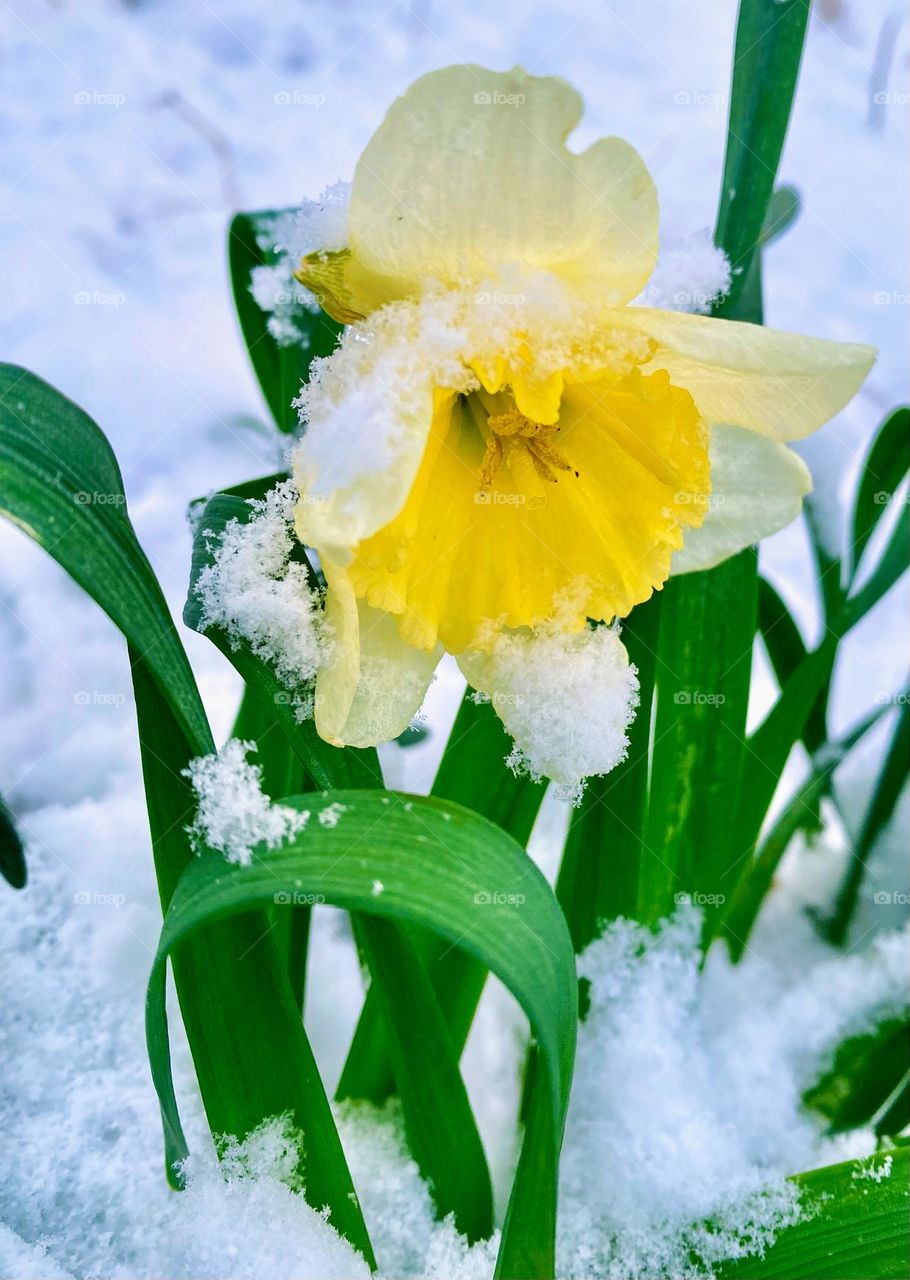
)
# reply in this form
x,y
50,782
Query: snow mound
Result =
x,y
686,1115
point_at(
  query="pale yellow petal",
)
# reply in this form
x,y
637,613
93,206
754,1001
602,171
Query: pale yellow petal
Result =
x,y
469,173
375,683
782,385
369,419
757,487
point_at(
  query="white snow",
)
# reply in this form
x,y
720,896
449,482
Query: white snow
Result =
x,y
317,224
565,699
234,813
686,1100
257,594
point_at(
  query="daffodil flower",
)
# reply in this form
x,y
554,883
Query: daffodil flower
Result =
x,y
504,447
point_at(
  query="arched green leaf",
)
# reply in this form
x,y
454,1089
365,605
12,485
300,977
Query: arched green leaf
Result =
x,y
429,863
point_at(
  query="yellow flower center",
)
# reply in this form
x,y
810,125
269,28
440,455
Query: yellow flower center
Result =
x,y
487,533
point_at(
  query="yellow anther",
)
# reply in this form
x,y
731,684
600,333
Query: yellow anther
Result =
x,y
512,433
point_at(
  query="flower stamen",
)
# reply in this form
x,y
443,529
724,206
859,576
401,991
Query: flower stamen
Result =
x,y
512,433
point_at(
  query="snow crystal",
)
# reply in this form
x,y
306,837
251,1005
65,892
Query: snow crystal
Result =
x,y
686,1107
317,224
257,593
320,224
276,292
330,816
566,699
873,1172
689,276
234,813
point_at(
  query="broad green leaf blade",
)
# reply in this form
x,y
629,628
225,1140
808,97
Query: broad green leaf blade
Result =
x,y
280,369
704,663
439,1123
859,1227
884,469
472,772
12,855
61,484
59,481
328,766
738,916
769,43
599,875
524,942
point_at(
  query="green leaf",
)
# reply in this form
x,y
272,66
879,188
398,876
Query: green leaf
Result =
x,y
472,772
601,864
885,794
462,858
61,484
866,1071
12,855
771,743
59,481
704,663
890,567
756,874
439,1124
249,489
854,1226
786,650
283,774
784,208
885,467
769,43
280,369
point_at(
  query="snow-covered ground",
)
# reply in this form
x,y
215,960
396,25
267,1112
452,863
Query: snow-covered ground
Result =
x,y
130,132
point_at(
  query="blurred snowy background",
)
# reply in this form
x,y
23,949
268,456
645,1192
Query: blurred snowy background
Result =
x,y
130,132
